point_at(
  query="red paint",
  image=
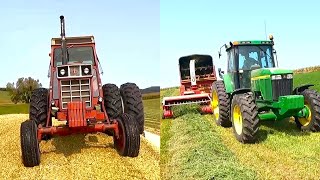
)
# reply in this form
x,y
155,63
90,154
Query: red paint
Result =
x,y
77,113
192,94
65,130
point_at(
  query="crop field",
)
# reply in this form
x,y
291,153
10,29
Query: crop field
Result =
x,y
151,104
152,115
7,107
79,156
194,147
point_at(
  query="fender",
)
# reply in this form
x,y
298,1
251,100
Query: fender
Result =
x,y
301,88
240,91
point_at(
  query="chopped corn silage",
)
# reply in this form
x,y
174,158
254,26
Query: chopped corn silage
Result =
x,y
80,156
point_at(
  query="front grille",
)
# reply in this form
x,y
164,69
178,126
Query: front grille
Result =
x,y
281,87
75,90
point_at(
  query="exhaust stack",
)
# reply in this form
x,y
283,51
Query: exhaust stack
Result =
x,y
63,41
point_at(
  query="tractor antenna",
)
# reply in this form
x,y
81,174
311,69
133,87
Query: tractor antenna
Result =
x,y
63,41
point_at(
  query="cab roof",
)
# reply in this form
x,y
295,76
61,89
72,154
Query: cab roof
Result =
x,y
73,40
239,43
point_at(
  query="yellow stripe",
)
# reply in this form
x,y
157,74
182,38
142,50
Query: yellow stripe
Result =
x,y
260,77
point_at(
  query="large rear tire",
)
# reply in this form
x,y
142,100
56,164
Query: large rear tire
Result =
x,y
220,104
312,102
29,144
132,103
128,143
245,120
39,106
112,100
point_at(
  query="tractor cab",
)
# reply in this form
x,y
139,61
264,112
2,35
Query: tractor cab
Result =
x,y
247,56
79,50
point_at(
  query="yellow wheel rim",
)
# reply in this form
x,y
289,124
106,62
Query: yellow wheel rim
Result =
x,y
237,119
305,121
215,104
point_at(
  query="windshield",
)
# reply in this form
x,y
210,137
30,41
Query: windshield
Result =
x,y
76,55
258,56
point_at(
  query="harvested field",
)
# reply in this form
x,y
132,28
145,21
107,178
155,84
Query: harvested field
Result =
x,y
80,156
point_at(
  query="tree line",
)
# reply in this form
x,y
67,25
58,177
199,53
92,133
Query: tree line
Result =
x,y
21,91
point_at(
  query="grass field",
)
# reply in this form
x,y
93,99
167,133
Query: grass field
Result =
x,y
194,147
152,115
151,106
7,107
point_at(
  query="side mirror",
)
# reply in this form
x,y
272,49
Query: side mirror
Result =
x,y
49,54
220,72
219,55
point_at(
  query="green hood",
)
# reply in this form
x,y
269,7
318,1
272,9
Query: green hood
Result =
x,y
269,71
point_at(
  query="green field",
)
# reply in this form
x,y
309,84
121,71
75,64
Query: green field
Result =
x,y
152,117
7,107
194,147
151,108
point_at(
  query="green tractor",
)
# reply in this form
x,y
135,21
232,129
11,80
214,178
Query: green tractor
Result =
x,y
254,89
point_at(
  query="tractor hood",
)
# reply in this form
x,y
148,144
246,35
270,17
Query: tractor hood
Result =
x,y
269,71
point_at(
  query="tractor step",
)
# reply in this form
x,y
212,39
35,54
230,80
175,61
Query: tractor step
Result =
x,y
76,114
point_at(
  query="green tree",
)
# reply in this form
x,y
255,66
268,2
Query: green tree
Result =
x,y
21,90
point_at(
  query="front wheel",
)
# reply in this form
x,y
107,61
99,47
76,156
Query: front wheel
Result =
x,y
245,120
312,104
220,104
128,142
29,144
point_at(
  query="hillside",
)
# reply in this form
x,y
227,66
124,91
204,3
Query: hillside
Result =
x,y
152,89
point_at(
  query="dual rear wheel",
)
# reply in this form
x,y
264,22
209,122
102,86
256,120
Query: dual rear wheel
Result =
x,y
126,107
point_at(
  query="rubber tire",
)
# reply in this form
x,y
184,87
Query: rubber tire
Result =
x,y
313,99
131,134
250,119
39,106
132,102
224,104
112,100
29,144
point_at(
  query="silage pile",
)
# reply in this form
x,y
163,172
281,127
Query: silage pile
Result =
x,y
79,156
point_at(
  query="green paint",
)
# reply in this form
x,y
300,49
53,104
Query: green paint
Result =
x,y
261,84
228,83
269,71
267,116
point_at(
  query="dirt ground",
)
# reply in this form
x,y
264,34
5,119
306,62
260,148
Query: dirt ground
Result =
x,y
89,156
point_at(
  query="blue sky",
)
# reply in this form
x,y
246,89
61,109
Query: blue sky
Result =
x,y
188,27
126,33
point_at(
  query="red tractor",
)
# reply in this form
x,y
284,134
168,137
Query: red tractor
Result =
x,y
77,96
197,73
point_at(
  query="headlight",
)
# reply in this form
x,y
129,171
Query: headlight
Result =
x,y
276,77
289,76
62,72
86,70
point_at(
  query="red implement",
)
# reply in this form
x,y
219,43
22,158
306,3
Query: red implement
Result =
x,y
197,73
